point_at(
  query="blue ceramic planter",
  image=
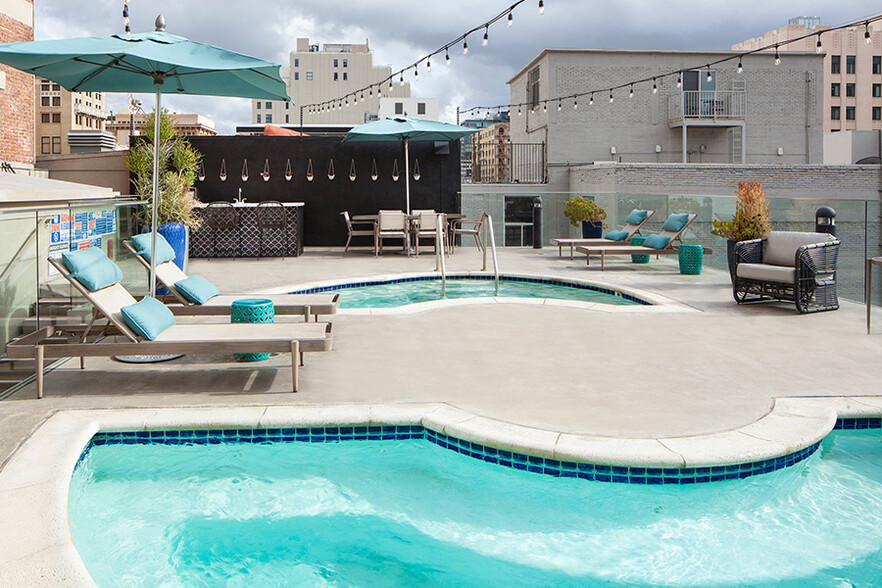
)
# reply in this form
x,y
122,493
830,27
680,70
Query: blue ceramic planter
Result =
x,y
176,235
591,230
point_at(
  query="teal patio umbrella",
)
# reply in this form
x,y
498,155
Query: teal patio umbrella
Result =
x,y
407,128
156,62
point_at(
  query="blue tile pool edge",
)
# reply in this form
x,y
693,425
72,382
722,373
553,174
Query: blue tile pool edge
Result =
x,y
518,461
477,277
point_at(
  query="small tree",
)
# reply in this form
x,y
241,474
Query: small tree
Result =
x,y
178,162
752,219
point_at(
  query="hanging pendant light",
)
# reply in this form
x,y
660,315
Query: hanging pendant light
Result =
x,y
352,174
288,173
374,173
265,174
309,175
223,170
244,170
331,173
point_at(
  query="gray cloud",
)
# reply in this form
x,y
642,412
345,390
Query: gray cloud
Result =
x,y
402,31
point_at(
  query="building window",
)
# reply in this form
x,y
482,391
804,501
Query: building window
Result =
x,y
258,106
849,113
849,90
56,117
835,60
533,88
877,64
421,108
335,63
286,120
296,62
45,86
877,90
268,105
56,101
44,101
309,76
269,118
877,113
258,120
834,113
56,88
345,63
296,77
45,118
834,89
345,75
56,145
399,108
336,76
45,146
850,63
287,104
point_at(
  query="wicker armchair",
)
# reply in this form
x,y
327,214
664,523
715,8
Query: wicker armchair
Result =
x,y
789,266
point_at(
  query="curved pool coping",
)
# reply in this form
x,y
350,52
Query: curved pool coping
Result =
x,y
656,302
36,547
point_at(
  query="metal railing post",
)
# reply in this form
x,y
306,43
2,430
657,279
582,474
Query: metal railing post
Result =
x,y
440,263
488,222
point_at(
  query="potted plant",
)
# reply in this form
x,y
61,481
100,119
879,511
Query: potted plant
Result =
x,y
752,219
178,162
580,209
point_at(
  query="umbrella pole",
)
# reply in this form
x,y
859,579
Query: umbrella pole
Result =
x,y
407,176
154,220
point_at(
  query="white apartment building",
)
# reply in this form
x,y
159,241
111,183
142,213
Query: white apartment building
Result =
x,y
316,75
416,107
852,81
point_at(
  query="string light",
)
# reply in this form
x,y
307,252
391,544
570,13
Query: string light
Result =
x,y
446,56
819,46
545,107
679,81
777,57
740,67
541,7
559,106
610,97
654,87
390,84
401,79
591,99
519,110
428,65
710,78
867,38
416,74
575,103
510,19
465,46
631,91
486,36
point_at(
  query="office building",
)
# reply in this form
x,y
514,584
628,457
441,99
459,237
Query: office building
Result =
x,y
186,125
69,122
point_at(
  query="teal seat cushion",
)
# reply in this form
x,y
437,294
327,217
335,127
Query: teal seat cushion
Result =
x,y
656,242
148,317
616,235
164,251
675,222
197,289
92,268
636,217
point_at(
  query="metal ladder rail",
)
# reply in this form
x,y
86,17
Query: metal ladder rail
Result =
x,y
488,222
440,263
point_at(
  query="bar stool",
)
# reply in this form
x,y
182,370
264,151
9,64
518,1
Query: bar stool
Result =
x,y
271,216
221,216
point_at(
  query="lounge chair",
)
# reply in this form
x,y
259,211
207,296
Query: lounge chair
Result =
x,y
169,275
666,240
790,266
632,226
197,338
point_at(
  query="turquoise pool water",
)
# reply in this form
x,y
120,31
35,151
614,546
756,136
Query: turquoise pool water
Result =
x,y
391,294
409,513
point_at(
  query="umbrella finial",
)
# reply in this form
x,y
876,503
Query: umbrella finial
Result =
x,y
160,23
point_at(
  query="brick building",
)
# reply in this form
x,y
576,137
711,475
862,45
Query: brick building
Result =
x,y
16,88
490,154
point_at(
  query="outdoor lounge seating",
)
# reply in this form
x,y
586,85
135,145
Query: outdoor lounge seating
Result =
x,y
788,266
426,227
392,224
468,227
354,229
664,243
160,336
170,276
635,220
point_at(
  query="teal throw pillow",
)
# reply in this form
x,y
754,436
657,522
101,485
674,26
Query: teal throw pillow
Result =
x,y
636,217
675,222
196,289
656,242
92,268
148,317
616,235
164,251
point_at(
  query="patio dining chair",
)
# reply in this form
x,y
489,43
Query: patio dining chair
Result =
x,y
358,232
472,227
223,219
392,224
427,223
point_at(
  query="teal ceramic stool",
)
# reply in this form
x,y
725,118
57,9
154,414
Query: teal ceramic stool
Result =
x,y
638,258
690,257
252,310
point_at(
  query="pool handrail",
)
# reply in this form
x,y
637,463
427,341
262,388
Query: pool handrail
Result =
x,y
488,222
440,244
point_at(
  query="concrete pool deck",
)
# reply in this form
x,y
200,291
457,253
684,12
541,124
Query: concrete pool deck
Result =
x,y
701,381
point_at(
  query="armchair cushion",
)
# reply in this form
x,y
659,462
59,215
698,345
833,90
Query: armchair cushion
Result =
x,y
781,246
764,272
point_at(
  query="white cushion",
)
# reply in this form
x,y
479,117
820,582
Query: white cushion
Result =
x,y
767,273
782,245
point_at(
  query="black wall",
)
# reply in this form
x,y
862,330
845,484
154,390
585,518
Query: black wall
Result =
x,y
437,188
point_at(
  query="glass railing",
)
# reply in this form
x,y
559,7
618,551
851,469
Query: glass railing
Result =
x,y
857,224
32,292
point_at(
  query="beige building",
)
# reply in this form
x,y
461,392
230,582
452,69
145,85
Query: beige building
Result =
x,y
315,75
852,82
490,154
69,122
188,125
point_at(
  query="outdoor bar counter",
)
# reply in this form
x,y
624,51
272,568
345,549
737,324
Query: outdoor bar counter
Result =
x,y
247,239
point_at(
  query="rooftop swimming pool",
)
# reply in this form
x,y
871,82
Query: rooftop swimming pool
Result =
x,y
392,293
161,510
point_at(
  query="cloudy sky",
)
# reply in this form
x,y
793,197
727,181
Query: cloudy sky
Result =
x,y
402,31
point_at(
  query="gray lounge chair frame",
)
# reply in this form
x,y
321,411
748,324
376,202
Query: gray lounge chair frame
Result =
x,y
668,249
602,242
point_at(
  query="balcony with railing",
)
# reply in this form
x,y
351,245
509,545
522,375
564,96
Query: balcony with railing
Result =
x,y
710,108
505,163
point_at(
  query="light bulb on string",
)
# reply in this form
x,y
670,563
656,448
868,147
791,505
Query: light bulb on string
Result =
x,y
740,67
559,106
867,38
416,73
679,81
390,84
591,99
510,19
465,46
545,107
401,79
428,65
818,45
519,110
541,7
446,56
654,87
777,57
486,38
710,78
575,103
610,97
631,91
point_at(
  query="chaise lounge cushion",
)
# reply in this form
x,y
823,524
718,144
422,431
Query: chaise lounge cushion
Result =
x,y
616,235
656,241
764,272
92,268
636,217
781,246
148,317
164,251
675,223
197,289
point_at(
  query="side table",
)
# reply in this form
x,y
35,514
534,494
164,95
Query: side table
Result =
x,y
638,258
252,310
690,257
